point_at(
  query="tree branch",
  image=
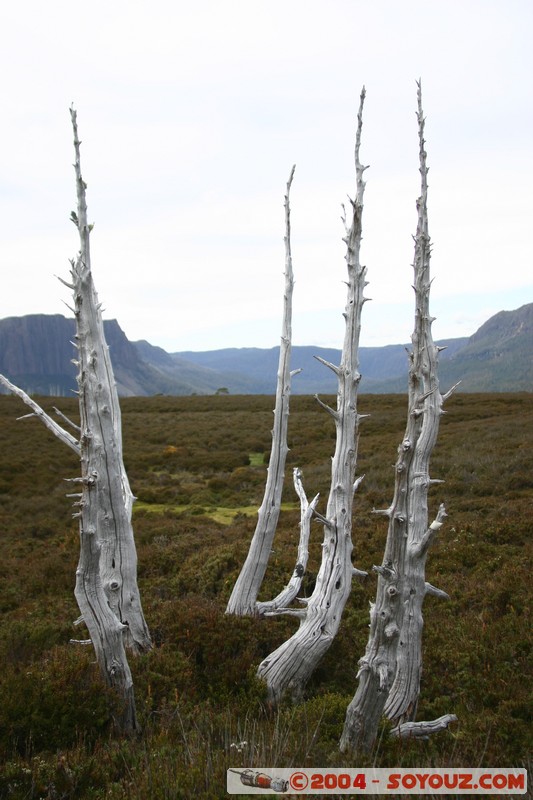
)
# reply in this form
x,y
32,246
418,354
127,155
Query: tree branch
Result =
x,y
287,595
430,589
67,420
327,364
422,730
38,412
421,548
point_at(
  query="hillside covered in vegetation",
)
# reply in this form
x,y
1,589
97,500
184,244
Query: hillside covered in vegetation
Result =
x,y
36,353
198,466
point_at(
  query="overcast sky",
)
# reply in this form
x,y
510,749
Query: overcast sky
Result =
x,y
191,116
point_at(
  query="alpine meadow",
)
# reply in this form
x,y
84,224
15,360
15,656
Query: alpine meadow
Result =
x,y
274,629
197,467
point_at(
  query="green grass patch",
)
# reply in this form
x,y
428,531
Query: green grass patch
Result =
x,y
224,515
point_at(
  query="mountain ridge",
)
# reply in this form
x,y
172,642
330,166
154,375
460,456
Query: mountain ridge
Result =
x,y
36,353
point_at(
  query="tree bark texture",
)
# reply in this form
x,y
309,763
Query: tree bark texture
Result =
x,y
423,729
389,672
106,577
403,697
106,631
289,667
106,499
243,599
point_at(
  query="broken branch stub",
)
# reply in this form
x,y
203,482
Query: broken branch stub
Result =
x,y
423,729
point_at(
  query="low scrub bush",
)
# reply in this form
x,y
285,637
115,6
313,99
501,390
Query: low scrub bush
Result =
x,y
197,694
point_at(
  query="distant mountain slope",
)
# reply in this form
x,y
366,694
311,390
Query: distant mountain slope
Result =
x,y
499,355
261,366
194,378
36,353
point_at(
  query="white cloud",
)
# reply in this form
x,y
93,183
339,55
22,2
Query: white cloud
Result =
x,y
191,116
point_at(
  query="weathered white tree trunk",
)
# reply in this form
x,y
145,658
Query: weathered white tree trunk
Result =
x,y
289,592
403,697
106,578
389,672
105,630
106,499
243,599
290,666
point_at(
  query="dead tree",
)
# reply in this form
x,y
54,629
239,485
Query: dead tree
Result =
x,y
289,667
289,592
243,599
106,499
106,578
389,672
106,631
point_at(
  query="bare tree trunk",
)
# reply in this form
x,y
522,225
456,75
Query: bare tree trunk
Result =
x,y
287,595
106,578
402,700
106,500
106,631
390,669
290,666
243,599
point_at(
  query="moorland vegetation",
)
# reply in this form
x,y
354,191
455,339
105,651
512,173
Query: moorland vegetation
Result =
x,y
198,467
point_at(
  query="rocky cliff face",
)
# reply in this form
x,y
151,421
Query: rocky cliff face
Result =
x,y
36,344
36,353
